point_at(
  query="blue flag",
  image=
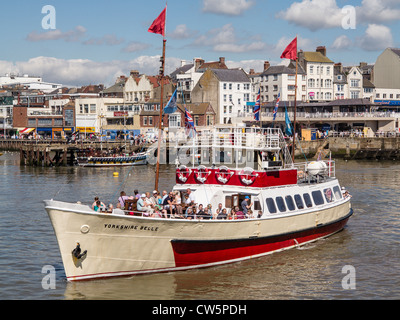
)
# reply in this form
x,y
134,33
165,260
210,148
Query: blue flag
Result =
x,y
171,107
276,106
288,129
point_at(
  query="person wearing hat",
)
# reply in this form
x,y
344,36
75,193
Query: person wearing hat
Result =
x,y
143,207
246,205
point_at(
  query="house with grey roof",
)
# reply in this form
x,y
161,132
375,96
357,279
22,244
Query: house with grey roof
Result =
x,y
228,91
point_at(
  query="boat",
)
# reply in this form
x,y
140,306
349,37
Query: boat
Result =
x,y
290,205
113,161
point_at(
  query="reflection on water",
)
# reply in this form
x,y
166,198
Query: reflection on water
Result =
x,y
369,242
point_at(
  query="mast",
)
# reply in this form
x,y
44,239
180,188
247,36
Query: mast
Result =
x,y
295,111
161,77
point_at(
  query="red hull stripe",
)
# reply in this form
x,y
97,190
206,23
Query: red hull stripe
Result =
x,y
191,253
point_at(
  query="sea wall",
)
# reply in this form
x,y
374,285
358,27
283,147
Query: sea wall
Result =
x,y
351,148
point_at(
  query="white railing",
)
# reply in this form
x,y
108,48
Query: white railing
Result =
x,y
308,171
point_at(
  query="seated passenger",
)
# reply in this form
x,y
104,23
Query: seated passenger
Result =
x,y
143,207
99,206
118,210
95,201
239,214
222,215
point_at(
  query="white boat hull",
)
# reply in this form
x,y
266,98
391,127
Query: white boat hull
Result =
x,y
127,245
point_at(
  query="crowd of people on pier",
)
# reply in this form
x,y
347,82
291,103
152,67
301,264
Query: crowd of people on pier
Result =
x,y
170,205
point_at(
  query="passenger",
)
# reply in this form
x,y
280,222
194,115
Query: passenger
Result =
x,y
246,205
189,213
99,206
136,194
118,210
164,196
168,203
222,215
207,214
200,212
239,214
149,201
95,201
143,207
250,214
178,204
259,214
156,199
123,197
215,215
191,196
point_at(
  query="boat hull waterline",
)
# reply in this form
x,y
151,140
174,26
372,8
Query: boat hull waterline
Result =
x,y
125,245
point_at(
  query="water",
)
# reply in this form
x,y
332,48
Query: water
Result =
x,y
370,242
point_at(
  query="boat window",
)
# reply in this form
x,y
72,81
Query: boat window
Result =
x,y
328,195
299,201
290,203
317,196
257,205
228,202
307,200
338,194
271,205
281,204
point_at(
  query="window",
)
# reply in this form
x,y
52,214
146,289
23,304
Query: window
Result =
x,y
92,108
224,97
275,77
317,196
271,205
150,120
355,83
238,86
145,121
299,201
174,121
290,203
328,71
224,86
337,192
307,200
311,69
311,83
230,86
328,195
354,94
281,204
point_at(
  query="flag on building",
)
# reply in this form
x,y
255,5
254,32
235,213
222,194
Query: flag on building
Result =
x,y
158,25
276,106
189,123
291,51
171,107
257,107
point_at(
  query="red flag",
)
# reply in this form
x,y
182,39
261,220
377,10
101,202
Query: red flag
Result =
x,y
290,51
158,25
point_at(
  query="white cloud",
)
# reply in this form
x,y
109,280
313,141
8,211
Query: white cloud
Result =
x,y
181,32
341,42
224,39
314,14
78,72
69,36
108,39
135,47
378,11
227,7
377,37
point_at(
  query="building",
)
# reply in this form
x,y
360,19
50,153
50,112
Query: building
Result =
x,y
28,82
320,74
227,90
386,78
187,76
281,80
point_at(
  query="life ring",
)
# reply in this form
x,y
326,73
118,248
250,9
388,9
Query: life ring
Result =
x,y
182,173
223,174
201,174
248,176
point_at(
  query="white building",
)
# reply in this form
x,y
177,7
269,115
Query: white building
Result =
x,y
280,79
28,82
320,74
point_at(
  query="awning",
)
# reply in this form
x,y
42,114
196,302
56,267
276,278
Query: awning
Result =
x,y
27,131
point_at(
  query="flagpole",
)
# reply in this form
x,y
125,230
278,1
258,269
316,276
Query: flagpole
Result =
x,y
295,109
161,114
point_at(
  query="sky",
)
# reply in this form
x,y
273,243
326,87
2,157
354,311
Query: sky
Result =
x,y
92,42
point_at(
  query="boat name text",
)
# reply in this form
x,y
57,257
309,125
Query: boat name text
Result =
x,y
130,227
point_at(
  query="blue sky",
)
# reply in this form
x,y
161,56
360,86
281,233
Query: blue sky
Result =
x,y
94,41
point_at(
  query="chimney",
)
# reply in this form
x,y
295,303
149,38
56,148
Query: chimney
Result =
x,y
134,73
252,72
321,49
338,67
198,63
266,65
222,60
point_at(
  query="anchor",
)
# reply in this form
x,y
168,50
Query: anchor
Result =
x,y
77,252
